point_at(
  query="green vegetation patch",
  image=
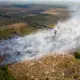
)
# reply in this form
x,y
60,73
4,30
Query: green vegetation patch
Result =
x,y
4,75
77,55
6,33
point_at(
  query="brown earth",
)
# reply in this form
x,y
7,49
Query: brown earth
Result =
x,y
57,12
61,67
17,25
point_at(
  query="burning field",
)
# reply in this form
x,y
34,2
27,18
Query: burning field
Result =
x,y
46,54
63,38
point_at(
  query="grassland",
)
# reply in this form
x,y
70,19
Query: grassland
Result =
x,y
14,30
30,15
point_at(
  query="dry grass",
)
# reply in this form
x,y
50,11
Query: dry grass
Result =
x,y
62,67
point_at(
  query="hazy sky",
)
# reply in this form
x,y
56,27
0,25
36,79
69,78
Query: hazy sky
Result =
x,y
39,1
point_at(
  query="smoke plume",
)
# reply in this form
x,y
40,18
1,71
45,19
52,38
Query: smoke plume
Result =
x,y
63,38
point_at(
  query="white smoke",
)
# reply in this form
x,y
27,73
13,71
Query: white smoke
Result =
x,y
65,37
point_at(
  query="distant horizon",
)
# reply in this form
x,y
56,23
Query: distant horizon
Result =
x,y
38,1
56,2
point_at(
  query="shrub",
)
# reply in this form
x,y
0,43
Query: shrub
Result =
x,y
4,75
77,55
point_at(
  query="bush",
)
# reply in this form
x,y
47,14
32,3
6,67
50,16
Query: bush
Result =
x,y
77,55
4,75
